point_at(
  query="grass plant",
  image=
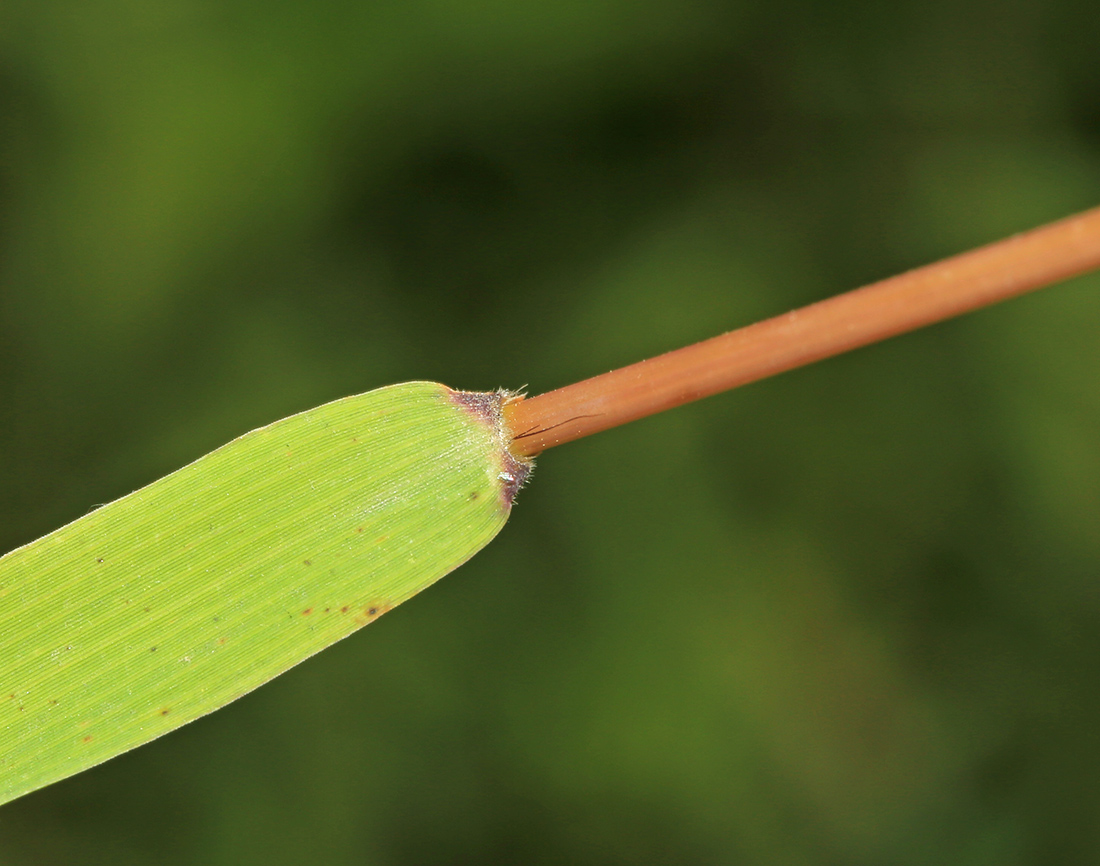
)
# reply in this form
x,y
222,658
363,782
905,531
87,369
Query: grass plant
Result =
x,y
184,595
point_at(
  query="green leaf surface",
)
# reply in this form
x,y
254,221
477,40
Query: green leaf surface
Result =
x,y
188,593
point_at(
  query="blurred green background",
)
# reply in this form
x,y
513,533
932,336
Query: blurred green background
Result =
x,y
847,616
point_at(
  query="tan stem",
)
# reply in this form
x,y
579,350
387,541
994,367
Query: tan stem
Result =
x,y
919,297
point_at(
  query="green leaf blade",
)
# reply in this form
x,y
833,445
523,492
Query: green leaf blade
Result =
x,y
188,593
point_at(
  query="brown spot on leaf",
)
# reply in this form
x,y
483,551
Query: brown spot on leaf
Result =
x,y
165,711
221,640
152,649
344,609
87,738
372,611
473,496
99,559
359,529
306,562
307,611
